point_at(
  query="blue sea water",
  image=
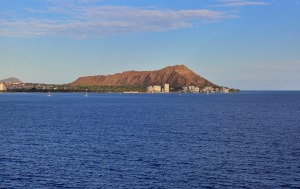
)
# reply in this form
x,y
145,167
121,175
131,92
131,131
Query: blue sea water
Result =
x,y
249,139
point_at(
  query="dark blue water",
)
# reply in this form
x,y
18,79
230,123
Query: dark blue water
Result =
x,y
245,140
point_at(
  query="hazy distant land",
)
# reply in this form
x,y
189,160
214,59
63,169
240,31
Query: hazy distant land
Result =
x,y
11,80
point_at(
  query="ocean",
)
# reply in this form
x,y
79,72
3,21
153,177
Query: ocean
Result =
x,y
249,139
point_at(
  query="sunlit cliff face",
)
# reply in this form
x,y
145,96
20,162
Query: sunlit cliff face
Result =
x,y
178,76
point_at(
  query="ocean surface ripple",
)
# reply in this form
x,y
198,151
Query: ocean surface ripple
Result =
x,y
244,140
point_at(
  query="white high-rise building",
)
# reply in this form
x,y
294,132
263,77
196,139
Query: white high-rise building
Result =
x,y
166,88
156,88
2,87
149,89
191,89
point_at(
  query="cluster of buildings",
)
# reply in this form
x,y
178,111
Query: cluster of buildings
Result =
x,y
16,86
24,86
159,88
208,89
188,89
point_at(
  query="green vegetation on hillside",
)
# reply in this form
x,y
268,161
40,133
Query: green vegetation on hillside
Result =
x,y
34,87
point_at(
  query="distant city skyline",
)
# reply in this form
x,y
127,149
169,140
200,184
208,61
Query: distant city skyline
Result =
x,y
244,44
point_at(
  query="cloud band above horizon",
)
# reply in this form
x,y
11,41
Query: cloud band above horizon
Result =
x,y
80,19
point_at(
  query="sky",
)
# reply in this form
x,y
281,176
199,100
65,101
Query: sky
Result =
x,y
244,44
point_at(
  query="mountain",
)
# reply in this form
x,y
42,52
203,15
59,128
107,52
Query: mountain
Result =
x,y
11,79
176,76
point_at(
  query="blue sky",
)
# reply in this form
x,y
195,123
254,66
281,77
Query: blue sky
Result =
x,y
245,44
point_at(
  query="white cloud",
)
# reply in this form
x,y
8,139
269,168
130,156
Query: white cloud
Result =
x,y
83,21
238,3
229,0
70,1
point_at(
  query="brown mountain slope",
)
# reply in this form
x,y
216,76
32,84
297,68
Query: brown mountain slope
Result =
x,y
176,76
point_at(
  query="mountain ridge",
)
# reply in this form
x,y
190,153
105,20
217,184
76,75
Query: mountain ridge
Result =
x,y
176,76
